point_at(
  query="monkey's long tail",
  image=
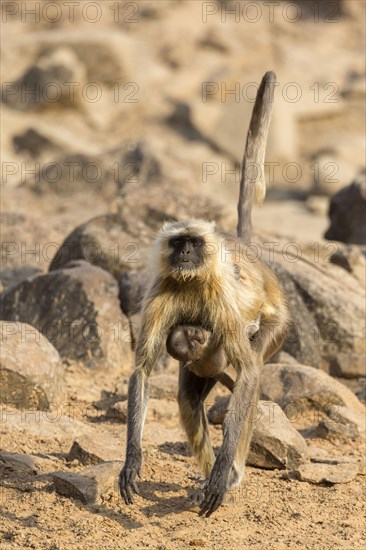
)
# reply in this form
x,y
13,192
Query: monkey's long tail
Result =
x,y
252,180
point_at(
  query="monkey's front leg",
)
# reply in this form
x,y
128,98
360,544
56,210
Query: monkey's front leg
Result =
x,y
137,403
136,412
238,418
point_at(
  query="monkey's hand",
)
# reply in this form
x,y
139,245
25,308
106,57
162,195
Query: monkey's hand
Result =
x,y
214,490
127,478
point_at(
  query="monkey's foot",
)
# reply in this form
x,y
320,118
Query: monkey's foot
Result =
x,y
127,478
207,501
232,496
197,496
215,489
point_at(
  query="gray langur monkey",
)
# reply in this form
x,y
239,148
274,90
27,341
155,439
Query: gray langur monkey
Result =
x,y
199,280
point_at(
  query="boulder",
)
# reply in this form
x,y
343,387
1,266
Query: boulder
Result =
x,y
300,342
47,82
91,484
138,164
327,307
108,241
347,213
117,412
327,474
132,287
77,309
352,258
298,388
17,462
275,443
104,53
328,429
93,450
33,143
31,373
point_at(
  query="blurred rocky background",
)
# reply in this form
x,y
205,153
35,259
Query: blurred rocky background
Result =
x,y
115,117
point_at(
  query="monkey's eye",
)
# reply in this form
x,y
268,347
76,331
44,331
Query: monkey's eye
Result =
x,y
174,242
197,242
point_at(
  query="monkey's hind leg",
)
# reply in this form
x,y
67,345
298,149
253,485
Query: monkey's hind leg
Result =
x,y
192,393
238,468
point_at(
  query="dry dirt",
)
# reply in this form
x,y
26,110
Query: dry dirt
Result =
x,y
270,511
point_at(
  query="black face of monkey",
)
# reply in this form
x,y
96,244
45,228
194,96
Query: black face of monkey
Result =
x,y
187,252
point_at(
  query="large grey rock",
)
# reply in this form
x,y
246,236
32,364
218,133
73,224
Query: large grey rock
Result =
x,y
77,309
91,484
49,79
16,462
300,342
31,373
93,450
298,389
328,429
327,474
328,312
347,213
111,242
352,258
20,463
104,53
275,443
33,143
132,287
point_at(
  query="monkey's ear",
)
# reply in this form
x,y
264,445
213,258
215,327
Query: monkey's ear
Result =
x,y
167,226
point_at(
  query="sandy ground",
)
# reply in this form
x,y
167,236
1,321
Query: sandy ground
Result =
x,y
269,511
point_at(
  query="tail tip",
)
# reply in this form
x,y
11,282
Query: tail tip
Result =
x,y
270,77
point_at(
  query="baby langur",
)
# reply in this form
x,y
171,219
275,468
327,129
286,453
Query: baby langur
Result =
x,y
203,295
193,347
